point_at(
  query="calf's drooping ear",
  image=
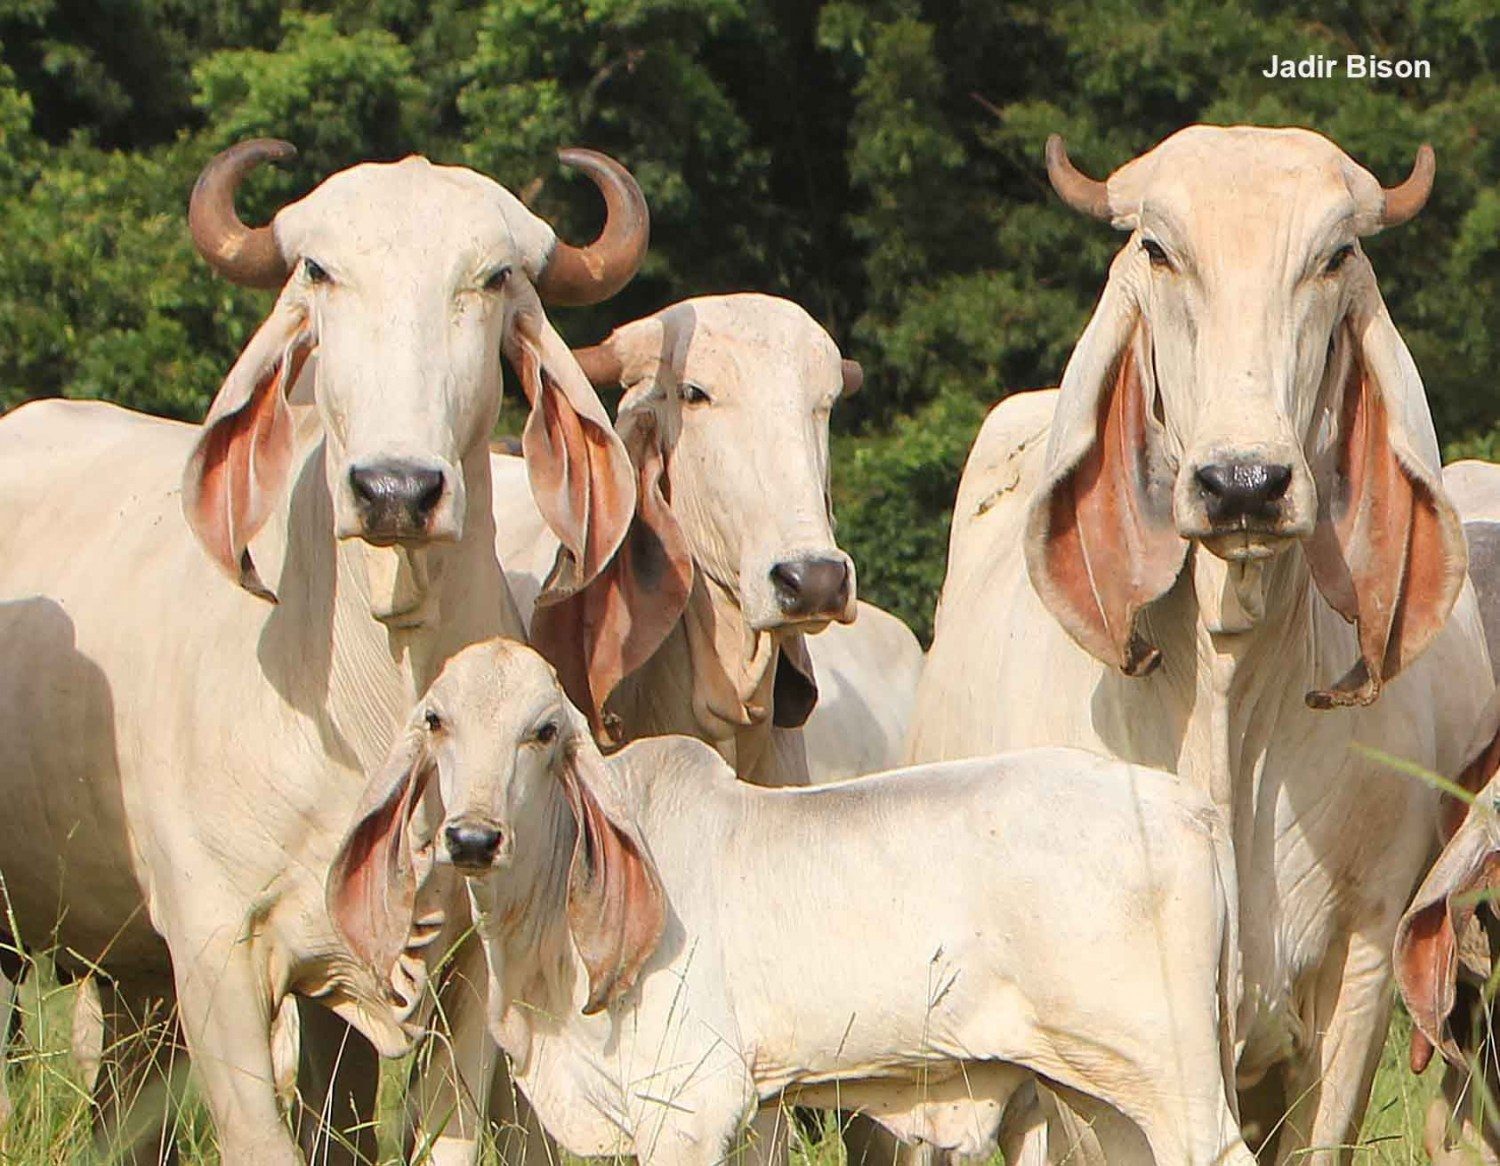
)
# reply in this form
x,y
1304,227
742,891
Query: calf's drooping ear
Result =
x,y
240,466
1101,543
617,909
372,886
580,473
1388,551
604,632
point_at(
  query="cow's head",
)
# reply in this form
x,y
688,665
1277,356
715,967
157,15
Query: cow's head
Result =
x,y
506,752
725,414
1241,387
407,280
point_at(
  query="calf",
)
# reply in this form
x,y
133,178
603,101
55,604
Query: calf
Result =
x,y
975,924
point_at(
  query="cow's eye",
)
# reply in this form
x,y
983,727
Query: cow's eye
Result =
x,y
434,722
694,394
314,272
546,732
496,279
1338,258
1156,253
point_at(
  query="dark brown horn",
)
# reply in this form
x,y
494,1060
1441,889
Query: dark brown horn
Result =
x,y
245,255
600,365
1085,195
577,276
1404,201
854,377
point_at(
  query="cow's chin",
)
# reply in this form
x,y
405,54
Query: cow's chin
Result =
x,y
1243,545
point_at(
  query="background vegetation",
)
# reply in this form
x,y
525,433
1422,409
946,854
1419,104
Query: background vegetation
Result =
x,y
877,160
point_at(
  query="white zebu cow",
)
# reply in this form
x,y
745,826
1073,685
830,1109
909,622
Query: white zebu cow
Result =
x,y
1175,558
697,626
656,972
182,757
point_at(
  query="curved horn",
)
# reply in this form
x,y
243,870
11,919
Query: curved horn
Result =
x,y
1086,195
577,276
245,255
600,365
1404,201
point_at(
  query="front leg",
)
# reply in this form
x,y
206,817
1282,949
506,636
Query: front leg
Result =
x,y
226,1005
450,1089
1328,1087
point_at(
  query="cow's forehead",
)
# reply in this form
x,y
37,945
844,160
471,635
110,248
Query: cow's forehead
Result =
x,y
495,677
1209,178
382,207
749,334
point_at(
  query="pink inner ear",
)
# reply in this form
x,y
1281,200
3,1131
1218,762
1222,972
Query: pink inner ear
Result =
x,y
605,632
579,474
1109,545
371,890
243,462
1387,553
616,906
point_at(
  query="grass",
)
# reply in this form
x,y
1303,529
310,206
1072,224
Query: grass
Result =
x,y
54,1117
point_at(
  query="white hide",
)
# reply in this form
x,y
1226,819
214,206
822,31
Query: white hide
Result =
x,y
1328,841
953,948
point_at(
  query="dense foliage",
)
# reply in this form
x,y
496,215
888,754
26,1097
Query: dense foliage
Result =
x,y
878,160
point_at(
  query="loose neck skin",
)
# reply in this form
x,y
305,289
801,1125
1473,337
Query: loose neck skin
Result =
x,y
1239,650
360,631
521,917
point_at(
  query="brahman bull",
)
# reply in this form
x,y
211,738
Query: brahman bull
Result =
x,y
1176,556
656,971
190,710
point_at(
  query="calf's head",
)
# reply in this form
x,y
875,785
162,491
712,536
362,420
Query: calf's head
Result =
x,y
407,280
476,780
725,415
1241,387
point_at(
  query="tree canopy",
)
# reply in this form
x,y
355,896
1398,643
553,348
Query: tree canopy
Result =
x,y
879,161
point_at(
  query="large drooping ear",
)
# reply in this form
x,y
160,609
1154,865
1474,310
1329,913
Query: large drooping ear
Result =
x,y
1100,539
241,464
580,473
601,634
1388,551
617,909
1442,934
795,691
372,885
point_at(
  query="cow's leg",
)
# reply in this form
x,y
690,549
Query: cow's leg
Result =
x,y
226,1004
338,1075
1329,1086
8,989
767,1139
450,1094
86,1037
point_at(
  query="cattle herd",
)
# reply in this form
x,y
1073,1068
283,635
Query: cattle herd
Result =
x,y
347,731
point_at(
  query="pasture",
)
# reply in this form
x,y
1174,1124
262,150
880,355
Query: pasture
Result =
x,y
54,1120
1116,362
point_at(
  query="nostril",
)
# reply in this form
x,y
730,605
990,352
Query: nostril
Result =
x,y
788,579
428,490
1213,479
362,482
1278,478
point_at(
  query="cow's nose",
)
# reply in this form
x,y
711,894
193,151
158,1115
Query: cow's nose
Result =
x,y
472,844
395,499
1236,490
807,588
